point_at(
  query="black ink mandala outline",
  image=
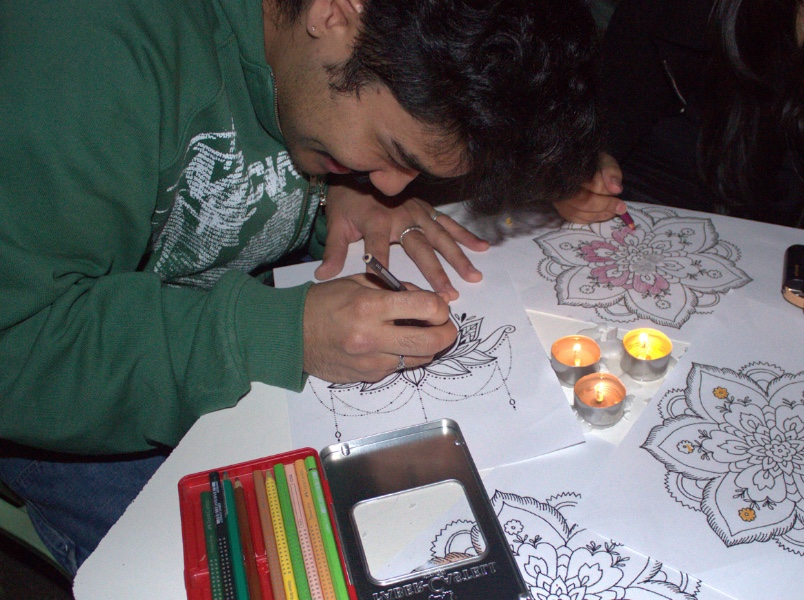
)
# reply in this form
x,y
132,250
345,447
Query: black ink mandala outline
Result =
x,y
559,559
468,356
733,446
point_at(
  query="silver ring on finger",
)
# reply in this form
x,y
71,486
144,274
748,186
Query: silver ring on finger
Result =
x,y
407,231
436,214
400,366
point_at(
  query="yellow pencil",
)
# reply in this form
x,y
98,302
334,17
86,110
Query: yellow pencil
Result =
x,y
281,542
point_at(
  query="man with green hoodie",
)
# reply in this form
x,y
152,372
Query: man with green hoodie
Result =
x,y
159,157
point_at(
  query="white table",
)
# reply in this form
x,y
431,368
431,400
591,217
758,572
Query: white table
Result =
x,y
142,558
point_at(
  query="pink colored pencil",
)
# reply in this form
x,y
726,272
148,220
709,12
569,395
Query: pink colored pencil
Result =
x,y
628,220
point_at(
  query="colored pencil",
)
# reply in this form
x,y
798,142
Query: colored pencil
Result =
x,y
221,529
315,531
288,576
211,542
268,536
233,529
327,535
308,555
250,559
294,546
628,220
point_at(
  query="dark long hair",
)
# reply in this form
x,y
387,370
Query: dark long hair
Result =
x,y
511,81
754,110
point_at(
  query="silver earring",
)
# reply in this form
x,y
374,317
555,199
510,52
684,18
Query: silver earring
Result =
x,y
312,29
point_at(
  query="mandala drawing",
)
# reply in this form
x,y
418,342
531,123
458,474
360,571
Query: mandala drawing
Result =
x,y
665,270
733,446
559,560
481,365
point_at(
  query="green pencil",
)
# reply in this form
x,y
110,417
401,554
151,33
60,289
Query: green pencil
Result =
x,y
211,538
238,563
328,537
225,551
291,533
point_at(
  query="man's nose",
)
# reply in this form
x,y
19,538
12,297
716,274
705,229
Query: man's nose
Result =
x,y
392,181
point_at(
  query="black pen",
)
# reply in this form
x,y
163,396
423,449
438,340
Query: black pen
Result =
x,y
383,273
394,284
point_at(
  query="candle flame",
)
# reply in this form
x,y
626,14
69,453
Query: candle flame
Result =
x,y
645,340
577,349
599,389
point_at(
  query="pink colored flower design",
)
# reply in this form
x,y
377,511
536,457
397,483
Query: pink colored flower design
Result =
x,y
659,271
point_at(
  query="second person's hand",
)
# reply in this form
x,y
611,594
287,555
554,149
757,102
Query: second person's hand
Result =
x,y
597,199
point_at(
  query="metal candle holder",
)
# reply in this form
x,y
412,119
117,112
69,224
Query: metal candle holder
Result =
x,y
599,399
647,354
573,357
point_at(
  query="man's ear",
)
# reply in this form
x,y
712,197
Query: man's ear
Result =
x,y
338,18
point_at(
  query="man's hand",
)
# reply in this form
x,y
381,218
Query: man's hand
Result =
x,y
597,200
350,335
353,214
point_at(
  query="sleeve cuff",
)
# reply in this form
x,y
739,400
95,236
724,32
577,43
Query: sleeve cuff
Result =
x,y
269,323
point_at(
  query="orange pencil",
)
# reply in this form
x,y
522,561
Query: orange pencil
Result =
x,y
268,536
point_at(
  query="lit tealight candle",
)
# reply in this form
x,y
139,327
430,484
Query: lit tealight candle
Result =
x,y
647,354
574,356
599,399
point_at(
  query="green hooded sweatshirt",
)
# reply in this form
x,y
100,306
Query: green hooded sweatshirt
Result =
x,y
143,176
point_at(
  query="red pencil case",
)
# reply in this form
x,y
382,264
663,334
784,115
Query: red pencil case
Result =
x,y
196,570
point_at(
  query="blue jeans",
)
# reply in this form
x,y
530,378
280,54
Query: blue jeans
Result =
x,y
73,501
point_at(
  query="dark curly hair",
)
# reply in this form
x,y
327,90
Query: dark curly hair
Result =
x,y
754,117
511,81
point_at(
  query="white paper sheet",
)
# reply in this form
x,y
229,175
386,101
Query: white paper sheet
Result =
x,y
536,503
497,382
711,476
